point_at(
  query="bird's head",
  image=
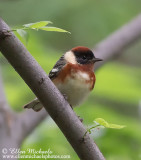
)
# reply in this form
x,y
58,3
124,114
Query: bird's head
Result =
x,y
81,55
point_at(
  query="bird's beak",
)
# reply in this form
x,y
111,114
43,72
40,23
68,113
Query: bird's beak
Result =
x,y
96,60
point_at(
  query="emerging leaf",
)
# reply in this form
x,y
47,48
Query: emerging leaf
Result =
x,y
104,123
37,25
55,29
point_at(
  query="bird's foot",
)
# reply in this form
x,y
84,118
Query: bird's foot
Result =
x,y
66,98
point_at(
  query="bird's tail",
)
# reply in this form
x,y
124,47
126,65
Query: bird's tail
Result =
x,y
35,105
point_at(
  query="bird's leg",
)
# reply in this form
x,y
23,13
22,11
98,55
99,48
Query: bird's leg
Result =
x,y
66,98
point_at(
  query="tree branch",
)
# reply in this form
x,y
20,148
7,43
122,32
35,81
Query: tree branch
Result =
x,y
29,120
3,101
114,44
48,94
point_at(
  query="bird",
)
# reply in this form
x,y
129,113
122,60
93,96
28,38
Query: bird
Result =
x,y
73,74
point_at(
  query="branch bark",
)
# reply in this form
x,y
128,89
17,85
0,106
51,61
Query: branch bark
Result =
x,y
8,124
3,100
48,94
29,120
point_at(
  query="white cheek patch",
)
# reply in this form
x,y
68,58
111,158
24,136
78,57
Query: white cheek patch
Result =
x,y
69,57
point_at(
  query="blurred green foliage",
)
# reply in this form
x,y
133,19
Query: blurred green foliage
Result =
x,y
118,88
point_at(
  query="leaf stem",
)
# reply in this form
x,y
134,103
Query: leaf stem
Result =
x,y
89,130
18,28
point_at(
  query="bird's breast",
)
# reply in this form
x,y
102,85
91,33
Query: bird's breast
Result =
x,y
75,83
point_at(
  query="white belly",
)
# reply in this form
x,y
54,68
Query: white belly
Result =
x,y
76,89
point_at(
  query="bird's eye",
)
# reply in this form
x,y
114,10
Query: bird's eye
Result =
x,y
84,57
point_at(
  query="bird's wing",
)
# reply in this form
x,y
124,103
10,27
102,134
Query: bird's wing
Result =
x,y
57,68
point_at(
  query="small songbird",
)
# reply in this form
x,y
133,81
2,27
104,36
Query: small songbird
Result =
x,y
73,75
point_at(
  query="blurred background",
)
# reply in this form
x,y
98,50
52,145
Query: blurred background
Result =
x,y
117,93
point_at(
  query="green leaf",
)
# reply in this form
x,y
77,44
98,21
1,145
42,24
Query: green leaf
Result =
x,y
23,34
116,126
104,123
37,25
55,29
